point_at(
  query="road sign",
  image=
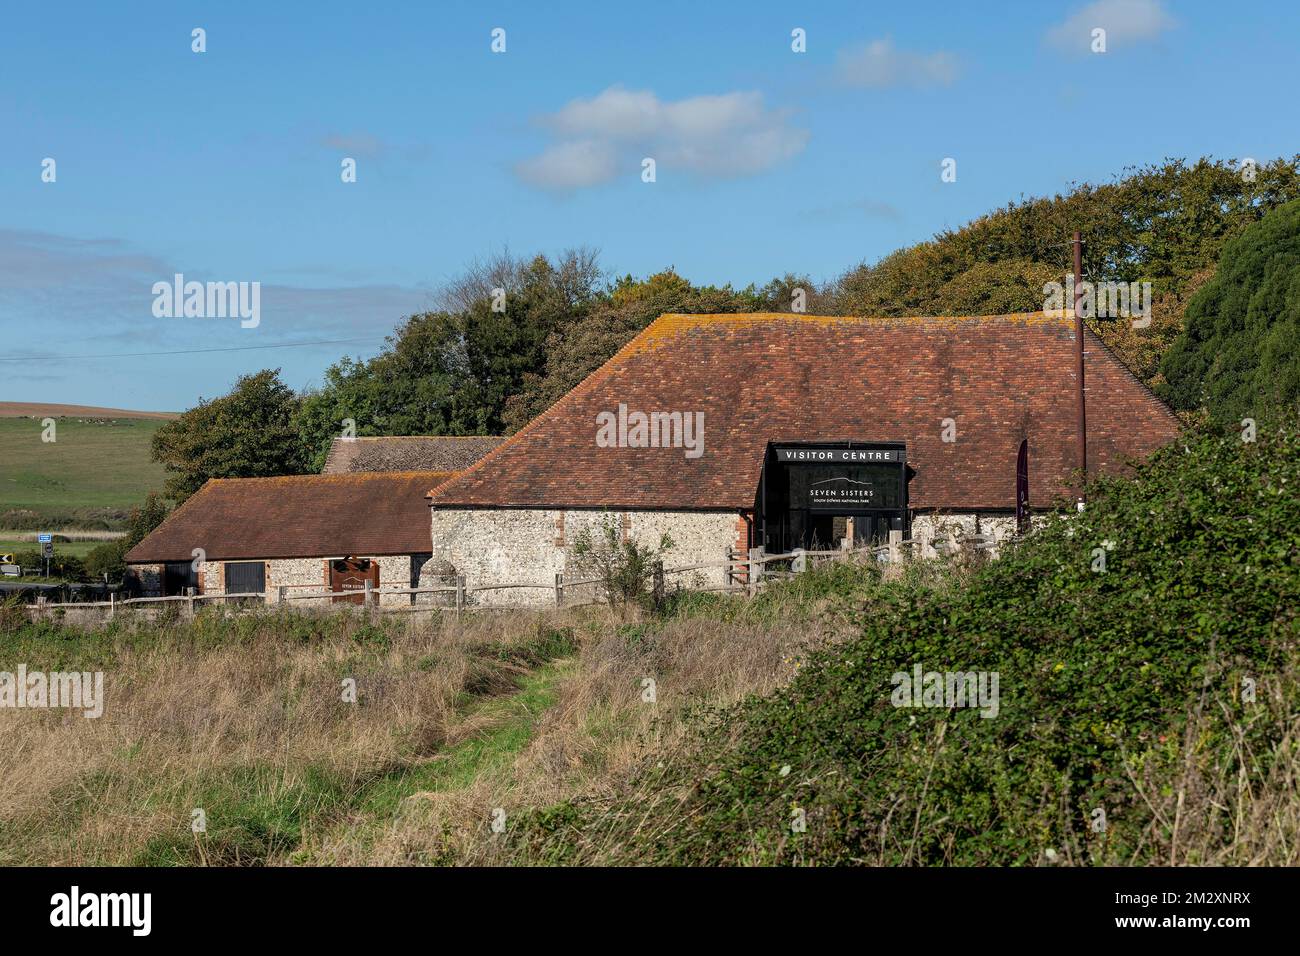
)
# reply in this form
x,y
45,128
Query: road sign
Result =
x,y
45,538
47,549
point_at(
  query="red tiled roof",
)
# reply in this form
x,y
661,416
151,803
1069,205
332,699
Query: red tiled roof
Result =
x,y
300,516
778,377
407,453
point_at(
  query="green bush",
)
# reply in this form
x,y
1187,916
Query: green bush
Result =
x,y
1239,353
107,558
62,565
624,567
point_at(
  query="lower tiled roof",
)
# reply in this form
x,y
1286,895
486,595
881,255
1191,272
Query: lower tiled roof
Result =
x,y
407,453
299,516
778,377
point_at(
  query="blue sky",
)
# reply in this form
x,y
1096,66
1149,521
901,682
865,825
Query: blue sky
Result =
x,y
225,165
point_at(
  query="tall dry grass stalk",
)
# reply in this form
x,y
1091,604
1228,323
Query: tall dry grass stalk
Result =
x,y
1229,793
180,719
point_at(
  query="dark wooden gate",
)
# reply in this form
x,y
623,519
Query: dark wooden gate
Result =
x,y
351,574
177,576
245,577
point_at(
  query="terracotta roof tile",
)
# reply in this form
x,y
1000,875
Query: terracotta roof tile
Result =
x,y
407,453
298,516
783,377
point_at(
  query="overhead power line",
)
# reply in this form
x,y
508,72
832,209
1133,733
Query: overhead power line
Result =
x,y
235,348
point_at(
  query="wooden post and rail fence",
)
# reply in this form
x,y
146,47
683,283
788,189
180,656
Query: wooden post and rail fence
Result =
x,y
743,573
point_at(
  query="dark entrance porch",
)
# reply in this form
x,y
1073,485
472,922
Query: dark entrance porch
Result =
x,y
818,495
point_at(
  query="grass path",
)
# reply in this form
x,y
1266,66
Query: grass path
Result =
x,y
509,724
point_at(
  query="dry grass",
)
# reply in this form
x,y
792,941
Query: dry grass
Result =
x,y
596,734
257,721
250,727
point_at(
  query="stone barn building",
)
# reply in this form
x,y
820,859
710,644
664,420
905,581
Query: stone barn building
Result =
x,y
784,431
303,533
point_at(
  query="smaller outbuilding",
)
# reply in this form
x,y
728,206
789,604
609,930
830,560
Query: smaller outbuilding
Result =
x,y
303,533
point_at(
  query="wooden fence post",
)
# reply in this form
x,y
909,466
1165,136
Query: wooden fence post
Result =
x,y
755,569
559,589
112,605
460,592
189,603
372,605
282,591
895,547
800,563
658,583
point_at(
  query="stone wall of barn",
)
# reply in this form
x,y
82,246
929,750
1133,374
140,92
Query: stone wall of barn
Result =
x,y
312,574
515,546
296,574
929,526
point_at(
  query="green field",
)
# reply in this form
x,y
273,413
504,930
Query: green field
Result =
x,y
94,472
12,542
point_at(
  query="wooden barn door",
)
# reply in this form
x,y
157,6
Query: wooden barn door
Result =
x,y
351,575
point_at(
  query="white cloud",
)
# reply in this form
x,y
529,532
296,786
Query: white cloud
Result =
x,y
570,165
726,135
1125,22
879,65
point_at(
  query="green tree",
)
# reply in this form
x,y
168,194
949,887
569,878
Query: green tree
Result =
x,y
507,346
456,371
588,338
249,433
1164,224
1239,354
418,385
109,557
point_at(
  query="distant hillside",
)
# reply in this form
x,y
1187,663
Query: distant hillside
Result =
x,y
92,474
45,410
